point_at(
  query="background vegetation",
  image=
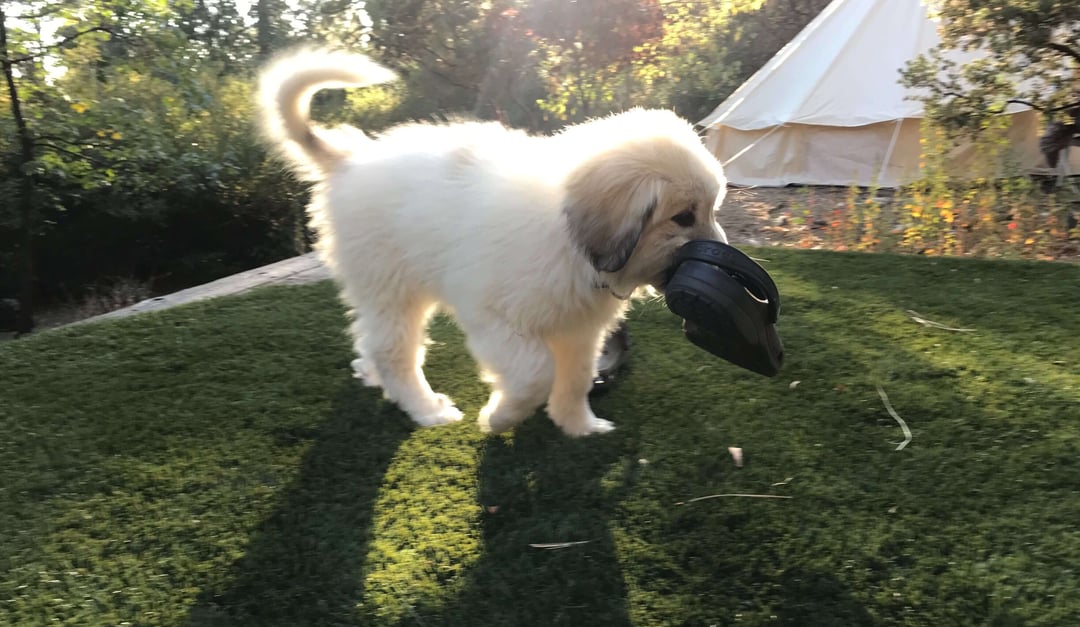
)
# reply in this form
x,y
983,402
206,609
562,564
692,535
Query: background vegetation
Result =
x,y
126,148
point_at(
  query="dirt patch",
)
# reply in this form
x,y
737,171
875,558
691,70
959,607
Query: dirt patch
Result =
x,y
766,216
807,217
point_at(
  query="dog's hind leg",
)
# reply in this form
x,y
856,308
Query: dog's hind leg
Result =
x,y
520,371
362,369
391,343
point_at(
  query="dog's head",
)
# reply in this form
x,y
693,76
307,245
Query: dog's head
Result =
x,y
646,187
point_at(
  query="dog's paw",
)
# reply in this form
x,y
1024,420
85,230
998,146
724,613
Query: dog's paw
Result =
x,y
365,372
484,421
443,413
494,422
589,426
502,413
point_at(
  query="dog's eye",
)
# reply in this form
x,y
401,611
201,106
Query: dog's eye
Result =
x,y
684,219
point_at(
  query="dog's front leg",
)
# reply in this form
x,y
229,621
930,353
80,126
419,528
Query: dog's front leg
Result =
x,y
575,365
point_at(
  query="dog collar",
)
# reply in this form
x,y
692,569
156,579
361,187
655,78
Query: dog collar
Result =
x,y
602,285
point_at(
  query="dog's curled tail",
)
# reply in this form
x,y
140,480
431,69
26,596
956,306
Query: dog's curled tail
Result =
x,y
285,89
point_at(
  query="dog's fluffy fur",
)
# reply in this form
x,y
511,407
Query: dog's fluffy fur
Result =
x,y
533,244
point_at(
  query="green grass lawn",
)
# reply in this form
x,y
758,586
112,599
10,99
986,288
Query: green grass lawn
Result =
x,y
216,464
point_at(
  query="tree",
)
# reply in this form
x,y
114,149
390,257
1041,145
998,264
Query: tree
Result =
x,y
270,29
127,151
588,49
1032,57
126,133
25,320
447,52
23,56
709,48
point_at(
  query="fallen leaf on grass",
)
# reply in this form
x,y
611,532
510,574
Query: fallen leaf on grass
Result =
x,y
736,454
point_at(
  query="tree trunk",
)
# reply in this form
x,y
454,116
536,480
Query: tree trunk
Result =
x,y
25,322
485,97
263,29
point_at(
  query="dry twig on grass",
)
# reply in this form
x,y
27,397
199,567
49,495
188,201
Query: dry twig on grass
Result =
x,y
896,416
917,317
749,496
557,545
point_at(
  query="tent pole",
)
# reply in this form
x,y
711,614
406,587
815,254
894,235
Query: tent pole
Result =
x,y
1064,171
892,146
1063,167
754,143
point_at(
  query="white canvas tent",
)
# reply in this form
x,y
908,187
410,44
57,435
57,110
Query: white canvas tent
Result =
x,y
828,108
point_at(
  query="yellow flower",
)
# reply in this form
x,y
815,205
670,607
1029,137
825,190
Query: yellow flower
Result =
x,y
116,135
79,107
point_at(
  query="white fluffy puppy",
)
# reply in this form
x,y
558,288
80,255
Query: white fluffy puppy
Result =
x,y
534,244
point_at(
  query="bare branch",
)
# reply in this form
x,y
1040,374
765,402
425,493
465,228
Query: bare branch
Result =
x,y
62,42
72,153
957,95
1025,103
37,16
439,57
1028,103
66,141
1065,50
449,80
1064,107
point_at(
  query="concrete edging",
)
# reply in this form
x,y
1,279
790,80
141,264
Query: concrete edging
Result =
x,y
293,271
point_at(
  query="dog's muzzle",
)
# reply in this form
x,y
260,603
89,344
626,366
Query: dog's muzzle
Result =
x,y
728,303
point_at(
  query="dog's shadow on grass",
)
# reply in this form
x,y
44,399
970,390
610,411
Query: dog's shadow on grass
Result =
x,y
538,487
303,563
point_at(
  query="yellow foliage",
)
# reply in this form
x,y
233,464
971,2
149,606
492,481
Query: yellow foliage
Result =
x,y
79,107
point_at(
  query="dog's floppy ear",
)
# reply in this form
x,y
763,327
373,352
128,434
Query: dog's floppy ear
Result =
x,y
607,207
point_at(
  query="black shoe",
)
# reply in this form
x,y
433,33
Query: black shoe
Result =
x,y
614,356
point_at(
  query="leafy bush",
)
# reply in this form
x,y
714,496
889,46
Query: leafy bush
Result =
x,y
990,210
